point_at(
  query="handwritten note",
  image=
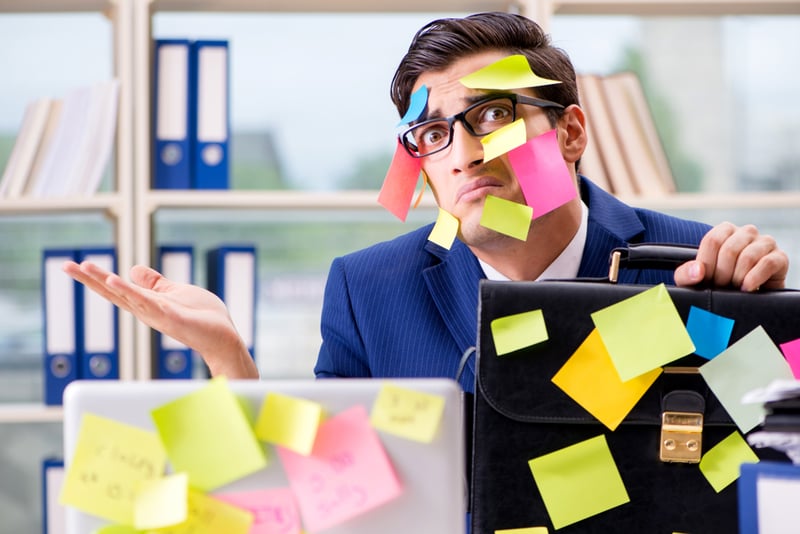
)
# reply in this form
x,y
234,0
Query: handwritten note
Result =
x,y
289,422
710,332
274,509
542,173
399,184
517,331
210,416
511,72
589,377
407,413
643,332
110,459
208,515
347,474
445,230
504,140
161,502
720,465
579,481
507,217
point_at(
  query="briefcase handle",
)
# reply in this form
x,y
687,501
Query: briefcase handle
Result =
x,y
649,256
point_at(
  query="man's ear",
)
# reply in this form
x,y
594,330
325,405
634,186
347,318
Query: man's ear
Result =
x,y
572,133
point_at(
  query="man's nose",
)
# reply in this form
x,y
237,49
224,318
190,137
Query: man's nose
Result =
x,y
466,149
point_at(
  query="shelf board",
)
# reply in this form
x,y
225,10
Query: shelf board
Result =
x,y
99,202
30,413
736,200
340,6
54,6
676,7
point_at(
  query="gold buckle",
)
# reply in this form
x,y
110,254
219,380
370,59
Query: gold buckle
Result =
x,y
681,437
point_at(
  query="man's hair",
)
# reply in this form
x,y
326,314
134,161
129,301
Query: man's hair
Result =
x,y
440,43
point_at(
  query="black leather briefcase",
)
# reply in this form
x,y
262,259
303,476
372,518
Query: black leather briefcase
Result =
x,y
520,414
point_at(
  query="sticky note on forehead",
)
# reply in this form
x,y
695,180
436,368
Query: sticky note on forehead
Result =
x,y
419,99
512,72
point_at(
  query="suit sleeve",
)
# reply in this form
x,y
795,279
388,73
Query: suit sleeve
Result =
x,y
342,353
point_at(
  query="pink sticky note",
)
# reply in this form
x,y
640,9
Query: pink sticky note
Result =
x,y
400,182
347,474
542,173
274,510
791,351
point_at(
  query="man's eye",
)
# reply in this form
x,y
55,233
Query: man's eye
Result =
x,y
432,135
495,113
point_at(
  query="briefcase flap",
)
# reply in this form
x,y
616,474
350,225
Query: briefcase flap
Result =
x,y
518,385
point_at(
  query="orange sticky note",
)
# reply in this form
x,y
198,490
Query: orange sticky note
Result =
x,y
400,182
289,422
508,218
347,474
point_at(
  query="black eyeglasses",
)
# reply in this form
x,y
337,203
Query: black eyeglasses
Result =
x,y
479,119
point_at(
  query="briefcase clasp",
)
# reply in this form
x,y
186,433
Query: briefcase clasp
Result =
x,y
681,437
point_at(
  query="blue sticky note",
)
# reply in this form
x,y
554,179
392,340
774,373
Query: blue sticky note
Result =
x,y
710,332
419,99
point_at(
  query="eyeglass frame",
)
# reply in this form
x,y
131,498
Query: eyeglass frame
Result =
x,y
462,118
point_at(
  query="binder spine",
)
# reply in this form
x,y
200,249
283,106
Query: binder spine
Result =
x,y
232,276
209,65
60,344
173,359
98,323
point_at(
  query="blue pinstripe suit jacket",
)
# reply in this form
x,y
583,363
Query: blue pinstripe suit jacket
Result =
x,y
408,308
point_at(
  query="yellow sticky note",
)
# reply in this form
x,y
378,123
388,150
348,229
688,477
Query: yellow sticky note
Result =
x,y
445,230
404,412
721,464
512,72
289,422
110,459
578,481
161,502
207,435
589,377
508,218
514,332
529,530
643,332
504,140
208,515
116,529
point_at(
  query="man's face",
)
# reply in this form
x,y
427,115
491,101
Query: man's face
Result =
x,y
458,176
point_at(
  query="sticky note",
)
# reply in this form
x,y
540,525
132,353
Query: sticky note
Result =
x,y
643,332
508,218
578,481
210,416
110,459
209,515
161,502
791,351
710,332
289,422
504,139
589,377
274,509
400,181
116,529
445,230
418,101
511,72
542,173
347,474
749,364
517,331
529,530
720,465
407,413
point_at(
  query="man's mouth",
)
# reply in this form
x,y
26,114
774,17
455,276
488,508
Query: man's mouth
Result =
x,y
477,189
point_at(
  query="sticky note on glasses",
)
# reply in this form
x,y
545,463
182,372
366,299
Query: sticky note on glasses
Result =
x,y
445,230
400,182
512,72
504,140
509,218
419,99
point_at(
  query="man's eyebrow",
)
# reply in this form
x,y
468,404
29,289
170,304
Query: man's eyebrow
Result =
x,y
469,100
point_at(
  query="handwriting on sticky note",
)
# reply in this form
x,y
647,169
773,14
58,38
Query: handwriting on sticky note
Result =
x,y
208,515
511,72
507,217
347,474
274,509
110,459
720,465
517,331
289,422
404,412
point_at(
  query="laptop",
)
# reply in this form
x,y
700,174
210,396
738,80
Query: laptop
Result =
x,y
431,474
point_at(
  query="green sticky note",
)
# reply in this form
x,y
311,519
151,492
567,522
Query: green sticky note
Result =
x,y
207,435
161,502
508,218
643,332
407,413
578,481
721,464
445,230
289,422
514,332
504,140
749,364
512,72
